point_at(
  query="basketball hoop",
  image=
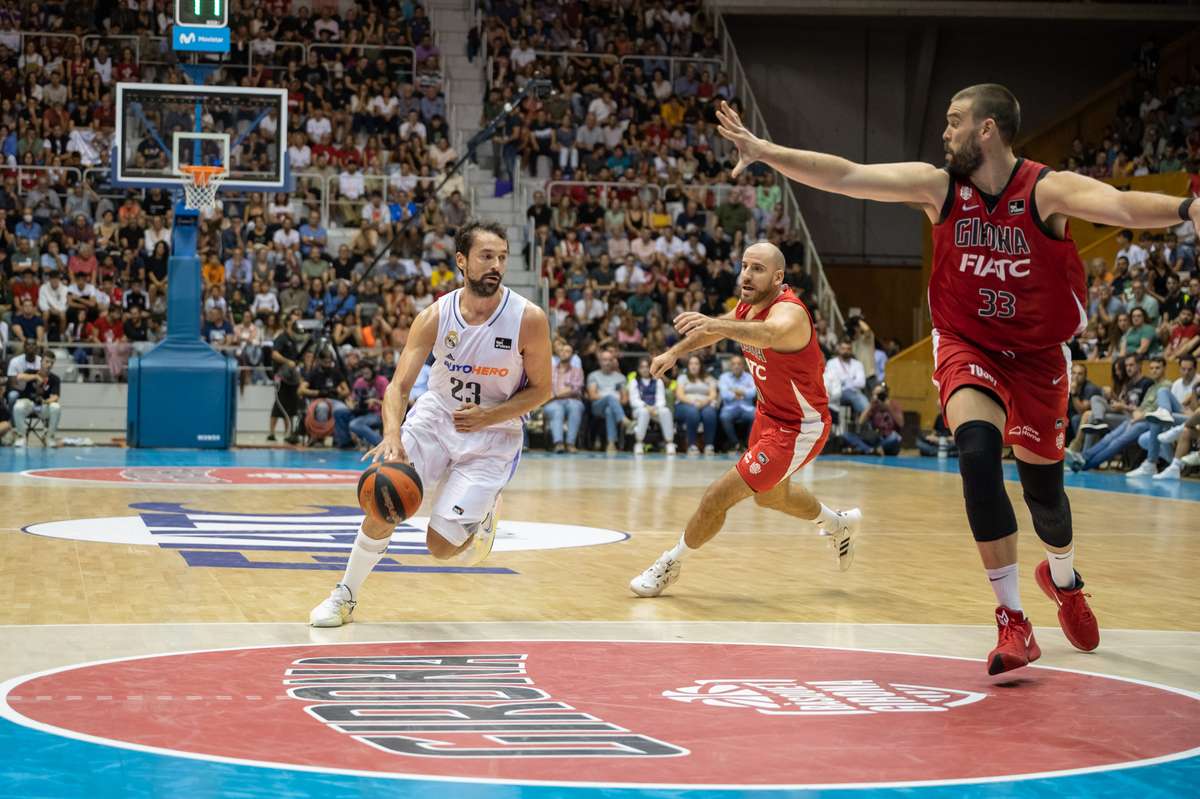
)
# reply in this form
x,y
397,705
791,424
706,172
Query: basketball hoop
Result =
x,y
200,184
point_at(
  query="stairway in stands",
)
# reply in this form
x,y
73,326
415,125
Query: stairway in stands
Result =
x,y
465,86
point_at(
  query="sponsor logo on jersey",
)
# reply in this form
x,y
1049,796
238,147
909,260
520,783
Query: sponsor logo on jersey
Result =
x,y
1025,431
480,371
755,468
1003,268
503,343
1058,424
1060,440
452,339
762,458
1004,239
978,371
965,192
789,697
1016,207
318,539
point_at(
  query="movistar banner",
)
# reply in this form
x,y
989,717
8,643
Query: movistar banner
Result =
x,y
200,40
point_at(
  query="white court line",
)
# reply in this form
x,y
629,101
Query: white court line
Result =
x,y
10,713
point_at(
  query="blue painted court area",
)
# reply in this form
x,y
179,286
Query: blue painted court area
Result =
x,y
40,765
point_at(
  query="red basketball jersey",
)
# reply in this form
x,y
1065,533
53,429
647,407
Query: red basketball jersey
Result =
x,y
791,385
1000,278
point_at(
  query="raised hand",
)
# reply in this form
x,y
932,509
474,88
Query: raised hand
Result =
x,y
749,146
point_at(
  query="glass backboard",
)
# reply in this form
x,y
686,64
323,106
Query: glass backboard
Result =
x,y
156,123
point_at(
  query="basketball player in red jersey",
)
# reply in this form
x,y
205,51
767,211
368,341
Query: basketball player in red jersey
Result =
x,y
1007,290
791,421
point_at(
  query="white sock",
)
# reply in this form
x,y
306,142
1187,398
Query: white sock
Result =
x,y
680,550
1005,585
1177,463
1062,568
827,518
366,553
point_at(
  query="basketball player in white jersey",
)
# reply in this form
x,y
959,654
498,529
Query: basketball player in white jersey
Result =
x,y
492,366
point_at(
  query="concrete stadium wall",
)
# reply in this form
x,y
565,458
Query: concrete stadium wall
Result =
x,y
847,86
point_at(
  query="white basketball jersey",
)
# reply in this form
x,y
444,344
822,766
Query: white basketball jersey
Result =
x,y
478,364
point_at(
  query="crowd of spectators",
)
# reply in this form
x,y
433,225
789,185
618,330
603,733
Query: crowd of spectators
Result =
x,y
83,267
1142,317
1154,131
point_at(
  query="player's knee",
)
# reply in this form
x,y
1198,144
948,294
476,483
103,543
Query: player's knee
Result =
x,y
770,499
439,546
375,528
1047,501
989,511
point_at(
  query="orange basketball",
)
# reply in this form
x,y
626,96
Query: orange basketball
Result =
x,y
390,492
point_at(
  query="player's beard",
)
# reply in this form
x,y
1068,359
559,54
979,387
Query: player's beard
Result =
x,y
484,287
966,160
757,296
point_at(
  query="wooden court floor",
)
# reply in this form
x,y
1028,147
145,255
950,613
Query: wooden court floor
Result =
x,y
82,580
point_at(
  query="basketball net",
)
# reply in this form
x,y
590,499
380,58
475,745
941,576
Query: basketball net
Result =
x,y
200,184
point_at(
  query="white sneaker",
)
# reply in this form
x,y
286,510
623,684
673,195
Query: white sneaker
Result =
x,y
710,450
654,580
671,448
1147,469
693,450
52,442
1191,459
842,537
1172,435
1162,415
1172,472
639,449
20,442
334,611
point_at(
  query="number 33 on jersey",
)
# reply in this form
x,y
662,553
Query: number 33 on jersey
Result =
x,y
1001,277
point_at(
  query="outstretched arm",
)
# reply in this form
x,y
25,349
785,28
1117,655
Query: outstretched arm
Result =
x,y
692,340
1087,198
786,328
911,182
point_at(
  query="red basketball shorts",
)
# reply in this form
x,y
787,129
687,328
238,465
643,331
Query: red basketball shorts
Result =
x,y
776,450
1032,386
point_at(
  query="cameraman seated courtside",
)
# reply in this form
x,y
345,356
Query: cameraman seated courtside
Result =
x,y
879,425
325,383
39,397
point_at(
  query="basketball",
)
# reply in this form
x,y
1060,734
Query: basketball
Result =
x,y
390,492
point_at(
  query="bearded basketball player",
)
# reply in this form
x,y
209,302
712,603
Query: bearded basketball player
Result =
x,y
791,420
491,367
1006,292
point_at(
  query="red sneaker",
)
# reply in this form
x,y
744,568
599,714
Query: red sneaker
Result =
x,y
1074,616
1016,647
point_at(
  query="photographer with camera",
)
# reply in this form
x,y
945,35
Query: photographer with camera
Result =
x,y
862,344
879,425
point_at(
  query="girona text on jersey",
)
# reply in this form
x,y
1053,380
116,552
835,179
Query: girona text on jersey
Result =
x,y
1001,277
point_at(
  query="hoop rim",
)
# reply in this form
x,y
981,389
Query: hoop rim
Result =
x,y
202,174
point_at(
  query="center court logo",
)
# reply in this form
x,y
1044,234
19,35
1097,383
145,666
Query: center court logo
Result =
x,y
788,697
323,537
590,714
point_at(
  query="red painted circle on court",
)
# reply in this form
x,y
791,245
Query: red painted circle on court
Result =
x,y
616,712
203,475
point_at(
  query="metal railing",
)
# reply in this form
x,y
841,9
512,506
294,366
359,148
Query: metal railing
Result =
x,y
671,62
753,118
51,171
